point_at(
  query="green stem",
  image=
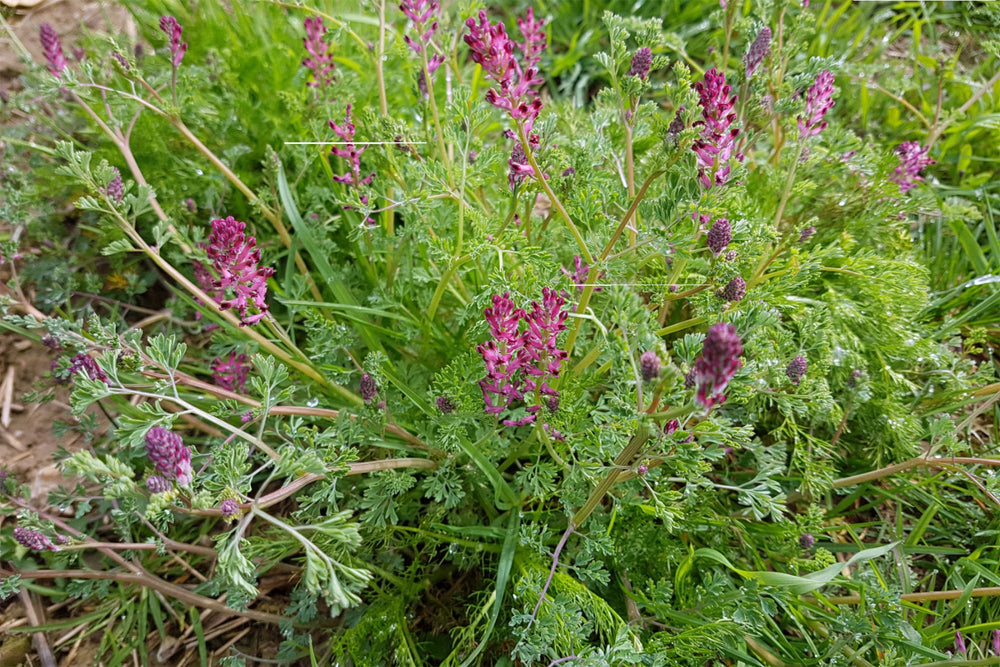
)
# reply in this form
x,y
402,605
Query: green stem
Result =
x,y
379,55
681,326
624,458
631,209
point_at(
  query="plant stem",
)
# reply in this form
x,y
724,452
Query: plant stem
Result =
x,y
631,209
937,462
379,55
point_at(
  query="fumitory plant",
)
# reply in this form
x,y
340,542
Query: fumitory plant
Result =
x,y
418,335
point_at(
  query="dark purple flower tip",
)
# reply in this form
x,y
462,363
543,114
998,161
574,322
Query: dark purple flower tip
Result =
x,y
642,469
445,405
641,62
172,28
671,426
231,373
116,189
121,60
158,484
758,51
368,388
53,49
169,454
796,369
689,379
806,541
229,507
806,234
719,361
819,100
649,365
719,235
32,539
735,290
552,403
856,376
676,126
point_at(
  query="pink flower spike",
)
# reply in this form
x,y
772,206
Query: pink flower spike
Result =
x,y
116,189
34,540
170,457
757,52
819,100
641,62
534,38
231,373
718,363
172,28
53,49
715,145
320,62
237,263
912,159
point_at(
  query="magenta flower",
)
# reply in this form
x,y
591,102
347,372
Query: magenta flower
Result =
x,y
819,100
676,127
231,373
172,28
715,145
960,644
579,275
718,363
237,263
116,189
352,154
757,52
499,354
423,13
806,234
534,38
996,642
912,159
229,507
32,539
719,236
797,369
539,354
320,62
649,365
494,51
170,457
641,62
53,49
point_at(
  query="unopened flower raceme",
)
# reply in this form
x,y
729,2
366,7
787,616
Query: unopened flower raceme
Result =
x,y
734,290
229,507
320,61
714,146
806,234
819,100
172,28
912,159
499,354
649,365
718,363
53,49
116,189
34,540
719,236
84,362
641,62
158,484
231,373
236,261
757,52
580,272
369,390
169,454
797,369
445,405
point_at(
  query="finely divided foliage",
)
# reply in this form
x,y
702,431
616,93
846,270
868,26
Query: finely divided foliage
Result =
x,y
683,357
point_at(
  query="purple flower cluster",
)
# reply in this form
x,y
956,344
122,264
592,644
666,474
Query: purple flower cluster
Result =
x,y
806,234
53,49
423,13
676,127
170,457
759,50
169,25
519,363
494,51
518,163
797,369
719,236
352,154
236,261
229,507
84,362
718,363
158,484
369,390
649,365
116,189
445,405
912,159
320,61
715,145
231,373
641,62
819,100
734,290
32,539
579,275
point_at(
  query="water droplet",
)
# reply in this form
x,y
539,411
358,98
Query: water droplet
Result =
x,y
199,172
312,402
